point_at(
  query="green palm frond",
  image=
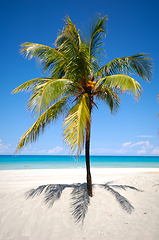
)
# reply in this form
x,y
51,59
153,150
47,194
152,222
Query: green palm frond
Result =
x,y
108,96
76,77
31,50
53,112
95,44
121,84
46,93
69,35
69,43
30,85
92,37
47,56
139,63
75,124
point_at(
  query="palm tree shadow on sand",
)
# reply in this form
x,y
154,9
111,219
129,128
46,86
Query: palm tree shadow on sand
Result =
x,y
80,199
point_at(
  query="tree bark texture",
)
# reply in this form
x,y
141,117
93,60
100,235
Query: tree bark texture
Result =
x,y
87,150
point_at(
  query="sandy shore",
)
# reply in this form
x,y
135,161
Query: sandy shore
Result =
x,y
54,205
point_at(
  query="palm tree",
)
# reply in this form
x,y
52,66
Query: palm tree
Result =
x,y
77,81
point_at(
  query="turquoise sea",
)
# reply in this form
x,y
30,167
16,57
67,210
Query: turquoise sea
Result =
x,y
8,162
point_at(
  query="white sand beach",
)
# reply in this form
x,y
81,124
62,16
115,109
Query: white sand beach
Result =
x,y
124,206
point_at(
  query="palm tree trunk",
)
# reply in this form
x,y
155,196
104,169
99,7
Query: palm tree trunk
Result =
x,y
87,150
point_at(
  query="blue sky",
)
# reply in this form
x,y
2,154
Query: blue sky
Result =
x,y
132,27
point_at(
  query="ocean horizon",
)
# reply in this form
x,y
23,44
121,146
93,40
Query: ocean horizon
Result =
x,y
12,162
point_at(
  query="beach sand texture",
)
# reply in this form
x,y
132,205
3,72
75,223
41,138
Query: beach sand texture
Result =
x,y
54,205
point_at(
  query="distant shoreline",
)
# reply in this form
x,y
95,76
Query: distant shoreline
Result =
x,y
65,155
68,162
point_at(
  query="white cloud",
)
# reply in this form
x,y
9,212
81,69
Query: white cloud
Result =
x,y
142,145
143,151
155,151
4,148
55,150
121,151
129,144
42,151
126,144
28,150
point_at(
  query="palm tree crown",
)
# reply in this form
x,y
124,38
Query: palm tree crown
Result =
x,y
77,81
